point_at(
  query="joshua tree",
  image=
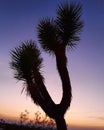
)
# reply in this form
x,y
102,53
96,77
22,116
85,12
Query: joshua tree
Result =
x,y
55,35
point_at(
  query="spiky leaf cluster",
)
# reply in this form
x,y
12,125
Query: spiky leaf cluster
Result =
x,y
47,34
25,60
64,29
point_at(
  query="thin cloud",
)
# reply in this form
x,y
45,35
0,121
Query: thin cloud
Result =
x,y
97,117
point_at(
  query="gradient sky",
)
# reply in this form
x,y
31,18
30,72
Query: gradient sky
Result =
x,y
18,22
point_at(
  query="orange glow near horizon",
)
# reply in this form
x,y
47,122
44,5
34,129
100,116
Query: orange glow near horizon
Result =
x,y
72,120
71,123
75,116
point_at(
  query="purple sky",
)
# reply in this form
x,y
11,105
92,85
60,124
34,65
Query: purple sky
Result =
x,y
18,22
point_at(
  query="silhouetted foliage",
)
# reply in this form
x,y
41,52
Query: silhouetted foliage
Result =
x,y
39,122
54,35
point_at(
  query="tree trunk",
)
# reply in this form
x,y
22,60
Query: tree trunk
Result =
x,y
38,95
61,62
61,124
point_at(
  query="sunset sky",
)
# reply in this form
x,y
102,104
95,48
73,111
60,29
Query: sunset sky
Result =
x,y
18,23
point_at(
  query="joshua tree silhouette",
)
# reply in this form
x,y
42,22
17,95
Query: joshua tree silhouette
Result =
x,y
55,35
